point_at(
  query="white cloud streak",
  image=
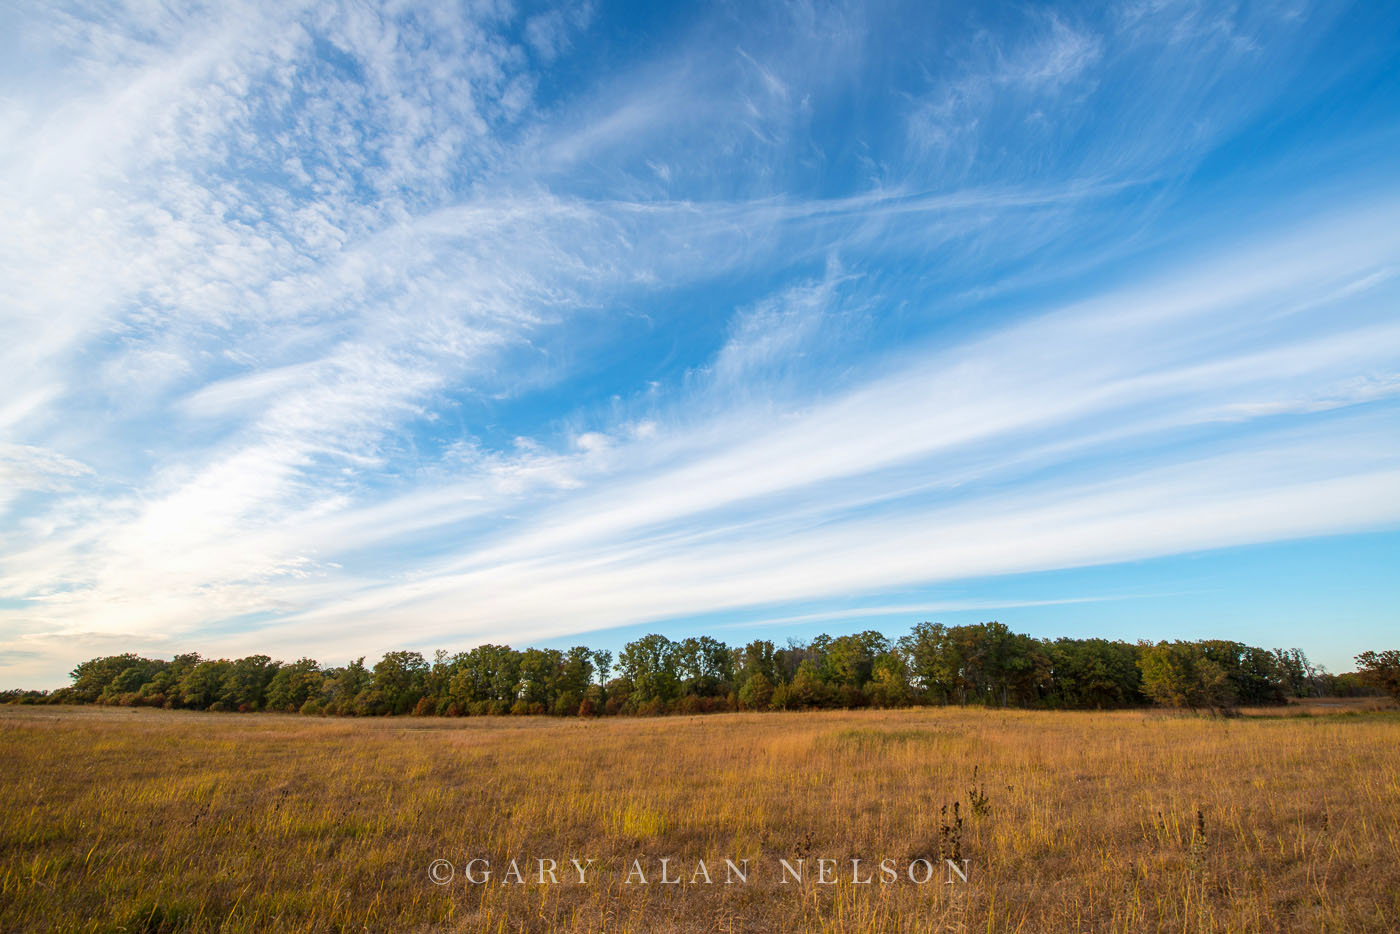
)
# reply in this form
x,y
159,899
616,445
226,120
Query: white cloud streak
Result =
x,y
256,259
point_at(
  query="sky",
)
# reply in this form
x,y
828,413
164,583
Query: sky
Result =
x,y
331,329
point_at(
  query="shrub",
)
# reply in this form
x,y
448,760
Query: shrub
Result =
x,y
653,708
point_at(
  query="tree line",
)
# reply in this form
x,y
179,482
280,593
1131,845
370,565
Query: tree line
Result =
x,y
979,664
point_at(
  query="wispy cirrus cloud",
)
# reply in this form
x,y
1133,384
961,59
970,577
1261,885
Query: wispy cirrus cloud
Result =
x,y
1130,372
944,468
324,322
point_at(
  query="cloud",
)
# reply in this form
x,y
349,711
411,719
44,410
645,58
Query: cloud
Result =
x,y
326,323
909,471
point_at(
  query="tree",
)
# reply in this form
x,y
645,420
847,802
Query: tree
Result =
x,y
789,659
399,681
1299,676
539,671
437,684
202,687
164,688
1092,673
486,679
757,692
1180,674
1010,664
982,663
105,678
889,686
1253,673
126,687
602,663
649,666
807,688
934,663
245,683
573,680
293,685
1381,670
757,658
850,660
342,688
703,666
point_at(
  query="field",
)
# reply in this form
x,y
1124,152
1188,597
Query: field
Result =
x,y
146,820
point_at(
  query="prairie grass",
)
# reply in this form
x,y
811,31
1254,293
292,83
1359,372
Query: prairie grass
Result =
x,y
146,820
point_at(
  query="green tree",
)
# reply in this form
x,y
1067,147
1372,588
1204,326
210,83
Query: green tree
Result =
x,y
399,681
1299,676
756,693
1381,670
110,676
703,666
1253,673
1093,673
202,687
164,688
126,687
293,685
934,660
850,660
757,658
602,663
648,665
486,677
1180,674
539,671
573,680
342,688
889,684
244,685
807,688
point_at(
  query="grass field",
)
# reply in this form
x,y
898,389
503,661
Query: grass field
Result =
x,y
120,819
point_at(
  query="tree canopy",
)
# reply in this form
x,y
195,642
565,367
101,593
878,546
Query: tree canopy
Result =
x,y
984,664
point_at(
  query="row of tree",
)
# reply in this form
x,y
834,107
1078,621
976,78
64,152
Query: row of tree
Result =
x,y
983,664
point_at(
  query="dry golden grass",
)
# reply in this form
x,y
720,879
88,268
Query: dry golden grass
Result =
x,y
152,820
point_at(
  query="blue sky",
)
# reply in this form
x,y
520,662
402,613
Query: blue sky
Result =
x,y
332,329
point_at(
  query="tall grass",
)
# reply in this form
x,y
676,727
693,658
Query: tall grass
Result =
x,y
143,820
